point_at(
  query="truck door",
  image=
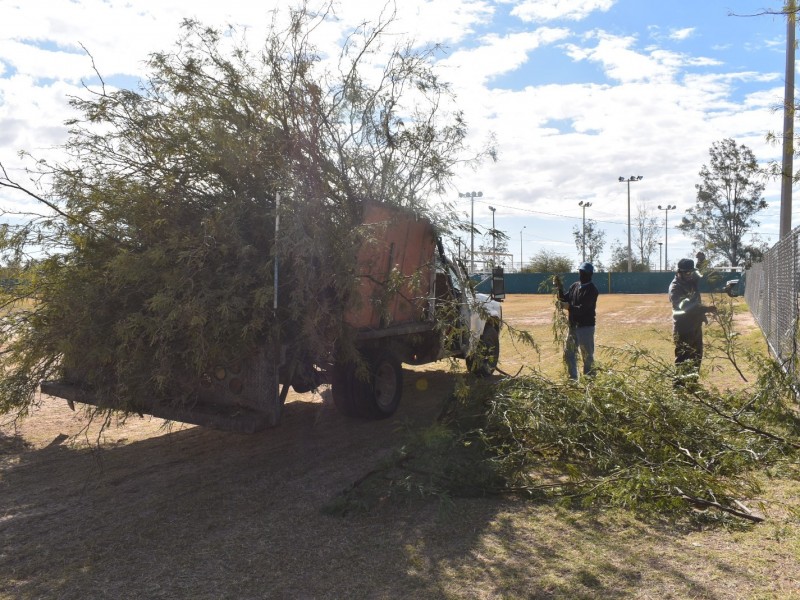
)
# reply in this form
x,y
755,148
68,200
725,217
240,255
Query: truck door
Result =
x,y
462,314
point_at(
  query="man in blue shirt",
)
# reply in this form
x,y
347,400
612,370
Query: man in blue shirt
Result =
x,y
580,300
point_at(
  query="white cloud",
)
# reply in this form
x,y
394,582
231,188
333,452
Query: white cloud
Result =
x,y
495,55
551,10
30,60
437,21
621,60
561,143
681,34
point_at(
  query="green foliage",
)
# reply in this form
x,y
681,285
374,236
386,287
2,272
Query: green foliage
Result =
x,y
639,439
546,261
494,242
619,259
155,259
728,198
590,239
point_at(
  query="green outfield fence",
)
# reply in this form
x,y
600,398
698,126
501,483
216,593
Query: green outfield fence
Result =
x,y
607,283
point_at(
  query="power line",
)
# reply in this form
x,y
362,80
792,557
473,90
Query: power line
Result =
x,y
541,212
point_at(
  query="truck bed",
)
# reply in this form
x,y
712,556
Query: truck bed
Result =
x,y
228,418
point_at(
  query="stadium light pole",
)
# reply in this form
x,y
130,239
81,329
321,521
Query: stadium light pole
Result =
x,y
659,255
520,248
628,181
666,210
471,195
584,205
492,208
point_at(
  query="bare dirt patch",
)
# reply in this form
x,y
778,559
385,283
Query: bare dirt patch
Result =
x,y
141,511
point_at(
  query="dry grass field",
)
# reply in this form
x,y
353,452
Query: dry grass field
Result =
x,y
623,321
141,510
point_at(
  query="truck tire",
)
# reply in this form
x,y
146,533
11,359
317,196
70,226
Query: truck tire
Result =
x,y
376,398
305,379
483,360
387,385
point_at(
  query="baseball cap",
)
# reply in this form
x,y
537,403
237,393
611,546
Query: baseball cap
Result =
x,y
685,265
587,267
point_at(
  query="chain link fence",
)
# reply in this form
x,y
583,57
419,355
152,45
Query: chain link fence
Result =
x,y
772,290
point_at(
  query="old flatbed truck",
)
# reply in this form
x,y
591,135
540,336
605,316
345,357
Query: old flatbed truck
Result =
x,y
432,314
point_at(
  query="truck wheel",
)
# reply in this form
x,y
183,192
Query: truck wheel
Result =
x,y
305,379
483,361
387,385
376,398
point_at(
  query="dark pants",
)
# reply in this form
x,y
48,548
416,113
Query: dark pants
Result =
x,y
688,352
689,345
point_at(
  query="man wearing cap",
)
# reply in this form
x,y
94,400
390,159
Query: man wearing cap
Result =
x,y
688,315
580,300
700,261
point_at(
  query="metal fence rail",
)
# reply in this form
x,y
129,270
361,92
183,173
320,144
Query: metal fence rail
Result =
x,y
772,290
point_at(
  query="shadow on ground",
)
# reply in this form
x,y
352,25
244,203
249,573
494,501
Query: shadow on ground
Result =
x,y
196,513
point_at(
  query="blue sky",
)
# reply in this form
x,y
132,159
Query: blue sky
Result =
x,y
577,93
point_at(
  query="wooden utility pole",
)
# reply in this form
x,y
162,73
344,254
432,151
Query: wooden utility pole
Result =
x,y
787,168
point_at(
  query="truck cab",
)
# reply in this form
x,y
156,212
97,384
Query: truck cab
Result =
x,y
477,312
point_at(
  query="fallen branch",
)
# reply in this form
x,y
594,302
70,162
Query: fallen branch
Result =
x,y
745,513
745,426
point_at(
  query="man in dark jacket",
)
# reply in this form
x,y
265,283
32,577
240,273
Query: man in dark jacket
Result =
x,y
581,302
688,315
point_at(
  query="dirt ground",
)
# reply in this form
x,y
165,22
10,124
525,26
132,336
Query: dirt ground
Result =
x,y
145,511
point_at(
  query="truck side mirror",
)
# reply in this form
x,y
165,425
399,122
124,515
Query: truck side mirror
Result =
x,y
498,284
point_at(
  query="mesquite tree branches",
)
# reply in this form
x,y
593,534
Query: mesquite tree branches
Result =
x,y
151,253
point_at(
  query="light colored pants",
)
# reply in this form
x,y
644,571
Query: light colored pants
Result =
x,y
579,338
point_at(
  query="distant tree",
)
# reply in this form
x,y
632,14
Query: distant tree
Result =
x,y
728,198
494,242
646,231
619,259
595,240
546,261
755,250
